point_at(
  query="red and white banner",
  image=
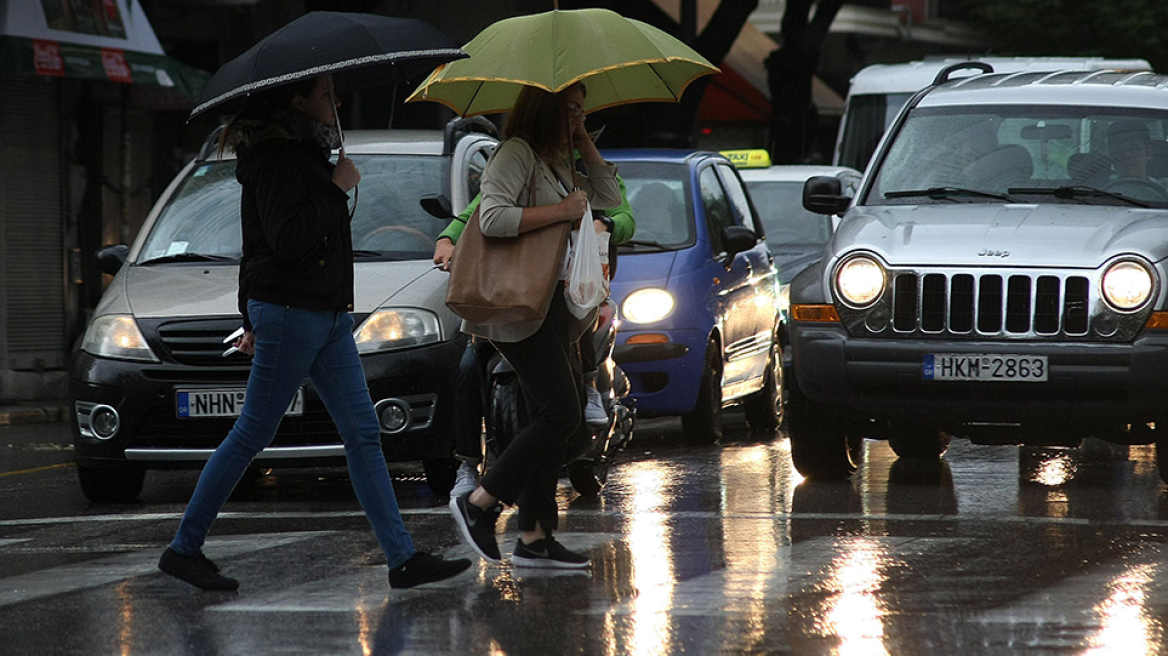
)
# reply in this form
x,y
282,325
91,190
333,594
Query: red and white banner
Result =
x,y
47,59
116,68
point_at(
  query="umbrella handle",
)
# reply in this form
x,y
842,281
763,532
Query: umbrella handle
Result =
x,y
336,116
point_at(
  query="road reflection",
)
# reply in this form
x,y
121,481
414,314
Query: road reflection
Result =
x,y
652,567
1127,630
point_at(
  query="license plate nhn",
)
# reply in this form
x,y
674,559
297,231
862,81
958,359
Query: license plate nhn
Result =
x,y
989,367
222,403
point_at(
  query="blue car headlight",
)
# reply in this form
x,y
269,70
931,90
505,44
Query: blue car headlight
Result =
x,y
391,328
647,305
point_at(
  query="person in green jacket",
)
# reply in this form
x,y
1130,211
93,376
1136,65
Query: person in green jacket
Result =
x,y
621,225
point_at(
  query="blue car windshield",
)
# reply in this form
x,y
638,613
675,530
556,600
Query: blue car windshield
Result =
x,y
201,221
660,196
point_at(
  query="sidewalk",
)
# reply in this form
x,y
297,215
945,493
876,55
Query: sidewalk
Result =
x,y
34,412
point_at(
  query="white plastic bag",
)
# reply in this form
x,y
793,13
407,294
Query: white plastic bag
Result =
x,y
587,285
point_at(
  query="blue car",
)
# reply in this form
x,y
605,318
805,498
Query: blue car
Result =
x,y
696,287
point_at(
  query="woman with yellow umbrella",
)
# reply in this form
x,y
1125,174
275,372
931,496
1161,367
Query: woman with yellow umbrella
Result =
x,y
548,70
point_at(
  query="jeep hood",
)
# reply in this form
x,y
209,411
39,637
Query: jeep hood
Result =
x,y
210,290
978,234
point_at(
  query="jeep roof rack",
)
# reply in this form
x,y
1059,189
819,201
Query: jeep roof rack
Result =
x,y
944,73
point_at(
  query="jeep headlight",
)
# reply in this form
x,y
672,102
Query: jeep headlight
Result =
x,y
395,328
860,281
1127,285
116,336
647,305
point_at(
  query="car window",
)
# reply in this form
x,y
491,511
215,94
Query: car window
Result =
x,y
993,149
718,213
737,197
780,207
659,195
203,216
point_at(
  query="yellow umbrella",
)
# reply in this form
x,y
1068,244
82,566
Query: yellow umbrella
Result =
x,y
621,60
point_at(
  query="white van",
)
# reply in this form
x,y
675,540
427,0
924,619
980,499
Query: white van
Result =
x,y
877,93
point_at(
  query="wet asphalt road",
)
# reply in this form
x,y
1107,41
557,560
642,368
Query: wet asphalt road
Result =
x,y
696,550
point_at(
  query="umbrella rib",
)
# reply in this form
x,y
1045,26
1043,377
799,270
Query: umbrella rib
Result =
x,y
326,68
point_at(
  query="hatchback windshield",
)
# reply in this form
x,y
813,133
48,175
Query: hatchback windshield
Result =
x,y
780,206
1032,154
201,221
660,198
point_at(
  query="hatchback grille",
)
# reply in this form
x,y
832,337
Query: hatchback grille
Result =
x,y
990,304
199,341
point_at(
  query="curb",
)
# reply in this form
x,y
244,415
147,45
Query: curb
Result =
x,y
34,413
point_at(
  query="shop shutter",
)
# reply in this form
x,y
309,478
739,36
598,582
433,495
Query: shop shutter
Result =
x,y
32,278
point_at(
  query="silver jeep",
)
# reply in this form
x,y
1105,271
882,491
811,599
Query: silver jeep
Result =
x,y
1000,274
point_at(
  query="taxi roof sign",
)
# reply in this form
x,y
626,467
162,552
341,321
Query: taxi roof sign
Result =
x,y
754,158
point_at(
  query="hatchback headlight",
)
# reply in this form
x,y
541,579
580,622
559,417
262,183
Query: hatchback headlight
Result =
x,y
860,281
395,328
116,336
647,305
1127,285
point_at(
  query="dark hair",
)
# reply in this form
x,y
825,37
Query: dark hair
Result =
x,y
263,103
538,118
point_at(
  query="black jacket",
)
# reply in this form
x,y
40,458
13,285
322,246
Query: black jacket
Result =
x,y
297,246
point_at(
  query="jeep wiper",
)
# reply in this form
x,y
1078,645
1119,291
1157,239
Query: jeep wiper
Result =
x,y
648,243
366,253
186,257
1073,192
939,193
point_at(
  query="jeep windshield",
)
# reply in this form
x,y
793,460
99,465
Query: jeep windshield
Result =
x,y
1026,154
659,196
200,223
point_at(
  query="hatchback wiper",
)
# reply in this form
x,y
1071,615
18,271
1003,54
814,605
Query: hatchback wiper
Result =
x,y
649,243
1073,192
186,257
938,193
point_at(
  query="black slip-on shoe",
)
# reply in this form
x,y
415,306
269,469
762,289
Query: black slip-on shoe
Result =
x,y
425,568
477,526
199,571
547,554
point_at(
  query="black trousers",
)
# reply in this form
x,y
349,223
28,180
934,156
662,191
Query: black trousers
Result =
x,y
470,400
527,472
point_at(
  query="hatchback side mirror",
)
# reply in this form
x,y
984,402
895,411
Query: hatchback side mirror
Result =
x,y
111,258
823,194
736,239
437,206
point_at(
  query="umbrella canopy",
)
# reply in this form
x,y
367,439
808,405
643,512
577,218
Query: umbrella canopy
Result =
x,y
365,48
620,59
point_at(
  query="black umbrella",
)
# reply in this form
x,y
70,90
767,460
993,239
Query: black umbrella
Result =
x,y
358,49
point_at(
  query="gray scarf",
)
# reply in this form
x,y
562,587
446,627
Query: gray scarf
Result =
x,y
325,136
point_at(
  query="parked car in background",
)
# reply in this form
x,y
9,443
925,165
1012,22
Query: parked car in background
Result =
x,y
150,386
877,93
696,288
1000,275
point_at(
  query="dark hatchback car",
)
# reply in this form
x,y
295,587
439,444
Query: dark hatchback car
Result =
x,y
150,387
697,291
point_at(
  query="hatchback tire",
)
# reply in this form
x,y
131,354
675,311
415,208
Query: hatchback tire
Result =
x,y
765,408
704,424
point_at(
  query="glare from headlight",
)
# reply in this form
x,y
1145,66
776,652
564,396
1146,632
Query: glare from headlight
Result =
x,y
860,281
1127,285
395,328
116,336
647,305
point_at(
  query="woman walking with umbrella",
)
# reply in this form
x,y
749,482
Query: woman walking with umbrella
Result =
x,y
296,287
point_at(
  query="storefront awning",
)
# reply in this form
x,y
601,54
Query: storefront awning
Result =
x,y
110,40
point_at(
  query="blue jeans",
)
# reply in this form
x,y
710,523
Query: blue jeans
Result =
x,y
290,344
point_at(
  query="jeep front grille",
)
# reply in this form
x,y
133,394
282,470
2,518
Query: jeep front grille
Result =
x,y
994,303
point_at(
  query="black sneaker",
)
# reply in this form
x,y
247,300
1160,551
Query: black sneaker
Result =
x,y
548,554
199,571
425,568
477,526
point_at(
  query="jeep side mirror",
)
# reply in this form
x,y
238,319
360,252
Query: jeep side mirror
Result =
x,y
736,239
823,194
111,258
437,206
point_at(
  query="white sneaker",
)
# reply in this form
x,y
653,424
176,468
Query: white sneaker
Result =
x,y
465,480
594,412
